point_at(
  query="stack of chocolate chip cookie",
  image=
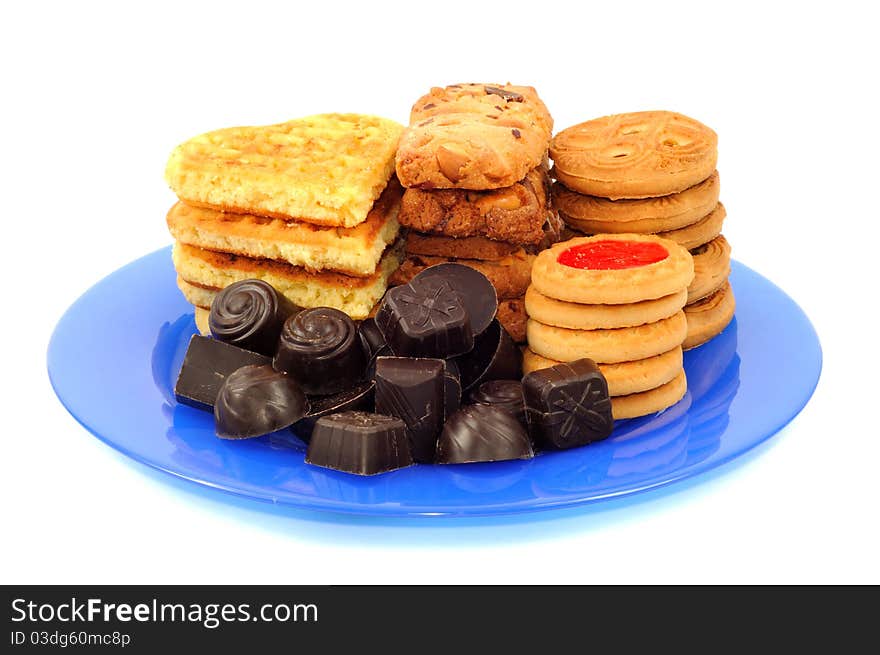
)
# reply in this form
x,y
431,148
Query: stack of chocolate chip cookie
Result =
x,y
309,206
616,299
651,172
474,164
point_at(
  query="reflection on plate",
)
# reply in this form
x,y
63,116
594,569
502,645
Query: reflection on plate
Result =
x,y
119,383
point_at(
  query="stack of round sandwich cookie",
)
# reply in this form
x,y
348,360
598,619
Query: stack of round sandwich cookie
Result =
x,y
651,172
474,164
254,202
616,299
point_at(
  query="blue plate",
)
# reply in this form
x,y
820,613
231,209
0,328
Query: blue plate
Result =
x,y
115,354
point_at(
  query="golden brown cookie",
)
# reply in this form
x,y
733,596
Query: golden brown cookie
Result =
x,y
515,214
326,169
624,377
711,268
639,155
509,275
703,231
650,402
595,215
612,269
356,296
202,326
708,317
512,316
350,250
473,136
577,316
607,346
464,248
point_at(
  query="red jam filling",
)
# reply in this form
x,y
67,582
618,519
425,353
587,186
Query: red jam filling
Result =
x,y
612,255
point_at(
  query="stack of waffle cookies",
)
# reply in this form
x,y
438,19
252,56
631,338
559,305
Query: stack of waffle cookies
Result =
x,y
309,206
474,164
615,299
651,172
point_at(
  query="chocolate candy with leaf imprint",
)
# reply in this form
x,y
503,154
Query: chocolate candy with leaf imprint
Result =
x,y
425,318
567,405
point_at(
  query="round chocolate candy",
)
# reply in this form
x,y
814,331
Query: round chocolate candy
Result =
x,y
256,400
249,314
320,348
494,357
482,433
503,394
476,291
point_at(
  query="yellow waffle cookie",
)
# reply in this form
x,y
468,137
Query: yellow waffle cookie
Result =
x,y
356,296
353,250
637,155
326,169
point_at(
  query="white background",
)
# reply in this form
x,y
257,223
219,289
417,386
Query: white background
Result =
x,y
95,96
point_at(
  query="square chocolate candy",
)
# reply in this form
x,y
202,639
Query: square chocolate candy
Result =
x,y
567,405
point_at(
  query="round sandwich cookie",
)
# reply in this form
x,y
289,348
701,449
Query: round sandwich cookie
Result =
x,y
711,268
596,215
607,346
623,378
649,402
701,232
612,269
636,155
577,316
708,317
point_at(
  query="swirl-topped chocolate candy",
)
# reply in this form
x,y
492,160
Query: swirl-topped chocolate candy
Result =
x,y
320,348
503,394
249,314
256,400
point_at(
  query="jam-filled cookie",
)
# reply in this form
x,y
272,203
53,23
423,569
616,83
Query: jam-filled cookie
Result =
x,y
612,269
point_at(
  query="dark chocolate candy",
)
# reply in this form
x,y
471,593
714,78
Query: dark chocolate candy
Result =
x,y
257,400
477,293
413,391
372,343
249,314
205,366
494,357
359,397
567,405
425,318
482,433
360,443
451,389
503,394
320,348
